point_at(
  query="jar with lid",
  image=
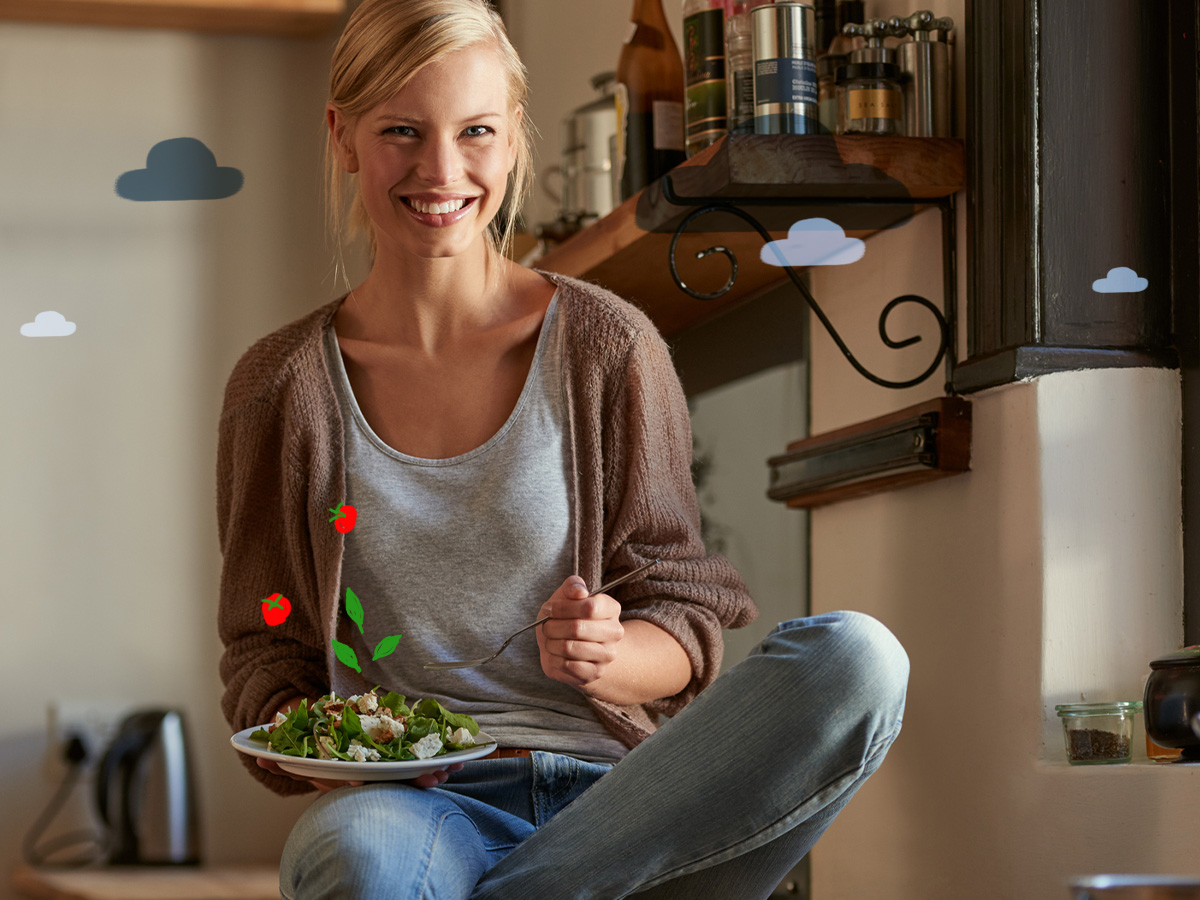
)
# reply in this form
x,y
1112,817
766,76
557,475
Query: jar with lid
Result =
x,y
870,99
1098,733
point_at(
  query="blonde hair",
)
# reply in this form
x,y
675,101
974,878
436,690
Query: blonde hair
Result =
x,y
385,43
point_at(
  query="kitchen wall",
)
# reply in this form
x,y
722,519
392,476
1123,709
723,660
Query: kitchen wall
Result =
x,y
109,433
109,542
1053,567
1051,572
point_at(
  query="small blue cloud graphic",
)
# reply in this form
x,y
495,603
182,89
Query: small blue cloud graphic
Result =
x,y
1120,281
814,242
180,169
48,324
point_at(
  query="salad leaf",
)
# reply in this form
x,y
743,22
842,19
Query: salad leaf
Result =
x,y
350,722
387,646
354,609
317,732
347,655
434,710
419,727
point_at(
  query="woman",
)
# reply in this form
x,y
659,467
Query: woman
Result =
x,y
510,439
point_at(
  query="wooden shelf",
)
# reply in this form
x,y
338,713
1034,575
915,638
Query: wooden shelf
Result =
x,y
281,18
626,251
148,883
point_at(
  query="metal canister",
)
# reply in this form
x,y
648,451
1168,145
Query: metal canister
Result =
x,y
925,66
786,99
587,134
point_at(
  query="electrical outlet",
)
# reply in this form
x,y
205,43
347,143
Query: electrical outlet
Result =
x,y
94,722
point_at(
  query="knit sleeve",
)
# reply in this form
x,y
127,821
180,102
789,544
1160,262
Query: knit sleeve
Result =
x,y
653,513
262,527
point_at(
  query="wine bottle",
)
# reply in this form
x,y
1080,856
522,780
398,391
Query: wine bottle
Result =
x,y
649,100
704,72
739,69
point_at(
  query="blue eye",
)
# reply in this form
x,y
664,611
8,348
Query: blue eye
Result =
x,y
478,130
399,130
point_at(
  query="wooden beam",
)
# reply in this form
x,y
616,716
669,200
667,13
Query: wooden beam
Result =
x,y
284,18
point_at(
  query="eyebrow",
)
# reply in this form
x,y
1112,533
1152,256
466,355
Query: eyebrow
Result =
x,y
414,120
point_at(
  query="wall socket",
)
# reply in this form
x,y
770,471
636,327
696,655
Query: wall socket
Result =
x,y
94,722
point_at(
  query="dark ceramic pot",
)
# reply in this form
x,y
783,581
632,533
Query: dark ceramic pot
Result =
x,y
1172,701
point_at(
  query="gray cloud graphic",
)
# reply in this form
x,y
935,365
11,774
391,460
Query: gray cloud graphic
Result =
x,y
48,324
180,169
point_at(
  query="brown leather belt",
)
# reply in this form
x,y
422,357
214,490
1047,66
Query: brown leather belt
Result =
x,y
508,753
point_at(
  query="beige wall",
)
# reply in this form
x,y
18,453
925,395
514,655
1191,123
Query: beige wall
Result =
x,y
1052,571
109,544
109,435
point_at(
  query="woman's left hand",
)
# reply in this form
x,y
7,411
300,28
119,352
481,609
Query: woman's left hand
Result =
x,y
580,640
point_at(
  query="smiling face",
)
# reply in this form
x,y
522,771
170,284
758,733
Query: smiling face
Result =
x,y
433,160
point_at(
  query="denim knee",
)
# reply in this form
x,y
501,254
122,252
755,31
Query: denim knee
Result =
x,y
859,666
381,842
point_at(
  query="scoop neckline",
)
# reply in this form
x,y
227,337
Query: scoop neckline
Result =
x,y
526,389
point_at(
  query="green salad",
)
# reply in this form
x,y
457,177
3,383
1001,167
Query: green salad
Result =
x,y
369,728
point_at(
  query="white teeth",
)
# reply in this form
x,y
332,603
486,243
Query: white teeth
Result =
x,y
438,208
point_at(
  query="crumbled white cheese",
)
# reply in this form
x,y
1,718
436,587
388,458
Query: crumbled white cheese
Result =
x,y
459,736
359,753
427,746
381,728
367,703
280,718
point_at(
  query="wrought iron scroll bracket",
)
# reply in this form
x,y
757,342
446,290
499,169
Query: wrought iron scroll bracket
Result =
x,y
734,206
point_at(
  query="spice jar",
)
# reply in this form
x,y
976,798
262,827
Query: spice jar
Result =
x,y
870,99
1098,733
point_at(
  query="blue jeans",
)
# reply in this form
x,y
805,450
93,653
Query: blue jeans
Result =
x,y
721,802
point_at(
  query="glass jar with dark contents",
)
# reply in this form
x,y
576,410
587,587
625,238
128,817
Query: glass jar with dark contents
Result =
x,y
1098,733
870,99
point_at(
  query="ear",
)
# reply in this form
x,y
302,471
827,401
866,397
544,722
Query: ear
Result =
x,y
340,133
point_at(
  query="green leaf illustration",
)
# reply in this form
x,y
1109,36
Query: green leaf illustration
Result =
x,y
387,646
354,609
347,655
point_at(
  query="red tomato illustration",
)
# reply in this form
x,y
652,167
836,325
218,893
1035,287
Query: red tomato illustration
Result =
x,y
343,517
275,609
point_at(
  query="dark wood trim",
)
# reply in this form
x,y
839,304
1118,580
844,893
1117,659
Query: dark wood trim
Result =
x,y
1068,142
999,68
1185,260
1019,363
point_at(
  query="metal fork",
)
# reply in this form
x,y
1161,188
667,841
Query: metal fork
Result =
x,y
471,663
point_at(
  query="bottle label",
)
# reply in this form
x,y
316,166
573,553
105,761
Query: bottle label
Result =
x,y
873,104
621,97
668,124
785,79
704,72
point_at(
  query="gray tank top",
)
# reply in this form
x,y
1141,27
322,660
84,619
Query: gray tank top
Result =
x,y
456,554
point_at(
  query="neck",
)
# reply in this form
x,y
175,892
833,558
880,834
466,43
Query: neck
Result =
x,y
427,304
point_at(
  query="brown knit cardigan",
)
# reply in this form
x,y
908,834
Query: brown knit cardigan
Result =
x,y
281,467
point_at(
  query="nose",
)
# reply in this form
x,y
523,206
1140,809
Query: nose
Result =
x,y
441,162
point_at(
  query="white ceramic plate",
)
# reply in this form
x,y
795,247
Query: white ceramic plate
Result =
x,y
340,770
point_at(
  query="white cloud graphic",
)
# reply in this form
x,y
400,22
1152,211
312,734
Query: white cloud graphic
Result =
x,y
814,242
1120,281
48,324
